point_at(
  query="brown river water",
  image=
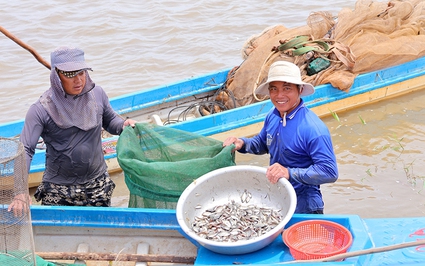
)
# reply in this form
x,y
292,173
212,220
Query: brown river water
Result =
x,y
139,45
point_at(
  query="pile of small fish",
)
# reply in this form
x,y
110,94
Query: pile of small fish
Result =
x,y
233,222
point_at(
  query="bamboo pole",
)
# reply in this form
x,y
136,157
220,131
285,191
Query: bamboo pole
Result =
x,y
116,257
361,252
25,46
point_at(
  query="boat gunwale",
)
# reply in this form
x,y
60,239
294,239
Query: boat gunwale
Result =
x,y
249,114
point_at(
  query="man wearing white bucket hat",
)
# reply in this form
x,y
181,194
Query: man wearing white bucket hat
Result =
x,y
299,143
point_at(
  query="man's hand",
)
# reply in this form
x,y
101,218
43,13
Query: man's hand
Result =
x,y
234,140
276,172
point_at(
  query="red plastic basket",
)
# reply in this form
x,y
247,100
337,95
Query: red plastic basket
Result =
x,y
316,239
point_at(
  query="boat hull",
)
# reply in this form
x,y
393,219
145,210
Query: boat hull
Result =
x,y
124,230
155,105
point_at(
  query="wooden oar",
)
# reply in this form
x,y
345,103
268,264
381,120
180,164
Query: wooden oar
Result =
x,y
115,257
361,252
25,46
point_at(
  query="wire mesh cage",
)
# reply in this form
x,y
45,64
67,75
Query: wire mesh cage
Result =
x,y
17,243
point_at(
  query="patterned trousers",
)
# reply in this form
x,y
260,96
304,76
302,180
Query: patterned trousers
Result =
x,y
97,193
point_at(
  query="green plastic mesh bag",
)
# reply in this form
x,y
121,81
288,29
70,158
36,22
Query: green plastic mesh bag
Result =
x,y
160,162
18,258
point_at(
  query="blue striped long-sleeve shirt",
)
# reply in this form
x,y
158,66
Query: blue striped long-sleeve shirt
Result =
x,y
304,146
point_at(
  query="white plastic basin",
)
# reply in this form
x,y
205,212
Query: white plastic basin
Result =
x,y
221,186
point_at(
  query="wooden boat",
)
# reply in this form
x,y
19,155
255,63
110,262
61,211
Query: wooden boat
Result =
x,y
175,105
119,234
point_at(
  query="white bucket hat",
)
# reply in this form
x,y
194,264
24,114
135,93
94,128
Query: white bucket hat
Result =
x,y
287,72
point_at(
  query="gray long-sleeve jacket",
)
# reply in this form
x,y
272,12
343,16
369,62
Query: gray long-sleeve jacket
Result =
x,y
73,156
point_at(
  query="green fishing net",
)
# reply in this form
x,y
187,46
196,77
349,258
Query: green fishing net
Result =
x,y
19,258
159,162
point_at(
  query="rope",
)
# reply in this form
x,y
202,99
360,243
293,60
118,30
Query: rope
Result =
x,y
273,53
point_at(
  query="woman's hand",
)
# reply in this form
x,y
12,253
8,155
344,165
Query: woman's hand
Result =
x,y
20,204
129,122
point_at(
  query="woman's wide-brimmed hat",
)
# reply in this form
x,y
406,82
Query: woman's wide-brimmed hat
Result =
x,y
68,59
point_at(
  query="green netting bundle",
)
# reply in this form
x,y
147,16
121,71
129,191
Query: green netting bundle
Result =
x,y
19,258
160,162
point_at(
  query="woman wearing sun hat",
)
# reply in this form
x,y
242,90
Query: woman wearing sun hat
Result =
x,y
69,117
299,143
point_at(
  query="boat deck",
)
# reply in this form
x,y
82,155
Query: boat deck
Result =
x,y
367,233
126,228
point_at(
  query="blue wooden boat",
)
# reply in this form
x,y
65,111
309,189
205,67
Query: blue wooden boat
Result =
x,y
156,104
126,230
